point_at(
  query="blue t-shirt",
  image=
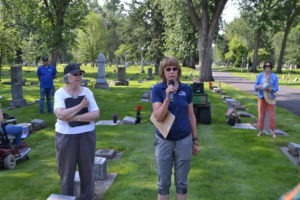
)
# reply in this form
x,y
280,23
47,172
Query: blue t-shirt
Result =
x,y
46,76
181,127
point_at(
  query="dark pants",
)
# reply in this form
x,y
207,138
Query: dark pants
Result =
x,y
76,150
45,92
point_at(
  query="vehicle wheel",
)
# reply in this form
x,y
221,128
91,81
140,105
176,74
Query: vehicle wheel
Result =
x,y
9,162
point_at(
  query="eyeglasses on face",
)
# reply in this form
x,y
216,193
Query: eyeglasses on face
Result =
x,y
174,69
77,74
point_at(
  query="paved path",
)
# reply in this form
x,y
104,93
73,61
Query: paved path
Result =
x,y
287,97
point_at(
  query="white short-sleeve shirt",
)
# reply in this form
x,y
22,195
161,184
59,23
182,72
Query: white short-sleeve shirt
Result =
x,y
59,102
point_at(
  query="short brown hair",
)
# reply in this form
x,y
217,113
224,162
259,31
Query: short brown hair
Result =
x,y
166,62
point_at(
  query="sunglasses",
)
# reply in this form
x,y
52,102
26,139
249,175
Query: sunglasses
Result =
x,y
174,69
267,65
77,74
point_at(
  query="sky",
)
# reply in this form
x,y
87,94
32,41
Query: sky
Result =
x,y
229,14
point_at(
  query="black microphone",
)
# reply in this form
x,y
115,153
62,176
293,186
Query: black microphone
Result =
x,y
171,82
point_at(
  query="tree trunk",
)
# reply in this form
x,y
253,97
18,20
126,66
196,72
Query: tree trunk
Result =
x,y
206,22
287,29
205,57
60,7
0,67
281,53
54,57
255,55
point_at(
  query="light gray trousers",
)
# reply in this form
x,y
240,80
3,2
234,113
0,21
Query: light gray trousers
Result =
x,y
173,153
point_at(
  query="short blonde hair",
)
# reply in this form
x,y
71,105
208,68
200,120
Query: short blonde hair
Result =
x,y
167,62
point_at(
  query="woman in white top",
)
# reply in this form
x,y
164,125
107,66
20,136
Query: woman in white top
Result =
x,y
75,136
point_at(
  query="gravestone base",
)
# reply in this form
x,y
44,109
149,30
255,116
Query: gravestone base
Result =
x,y
38,124
126,83
18,103
105,153
293,149
244,126
294,159
60,197
103,85
101,186
149,78
128,120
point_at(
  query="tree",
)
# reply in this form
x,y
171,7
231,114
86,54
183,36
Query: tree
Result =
x,y
113,17
9,35
290,10
263,18
59,20
237,52
145,25
180,34
92,40
240,30
292,53
205,18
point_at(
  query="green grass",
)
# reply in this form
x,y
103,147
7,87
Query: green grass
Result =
x,y
233,164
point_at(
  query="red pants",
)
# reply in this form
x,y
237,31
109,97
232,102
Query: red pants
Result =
x,y
264,107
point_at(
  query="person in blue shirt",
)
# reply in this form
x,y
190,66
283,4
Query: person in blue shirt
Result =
x,y
181,142
14,130
266,85
46,73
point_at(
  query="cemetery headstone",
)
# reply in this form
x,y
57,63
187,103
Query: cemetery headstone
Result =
x,y
101,81
38,124
60,197
142,68
150,76
293,148
156,68
16,87
146,96
121,76
100,171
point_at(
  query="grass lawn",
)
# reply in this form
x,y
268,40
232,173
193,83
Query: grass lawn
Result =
x,y
233,164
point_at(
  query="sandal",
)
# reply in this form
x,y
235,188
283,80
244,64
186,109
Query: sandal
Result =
x,y
273,134
260,133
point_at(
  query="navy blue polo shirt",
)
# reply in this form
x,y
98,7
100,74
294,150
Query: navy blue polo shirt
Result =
x,y
181,127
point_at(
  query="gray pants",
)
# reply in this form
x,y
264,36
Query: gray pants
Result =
x,y
72,151
173,153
